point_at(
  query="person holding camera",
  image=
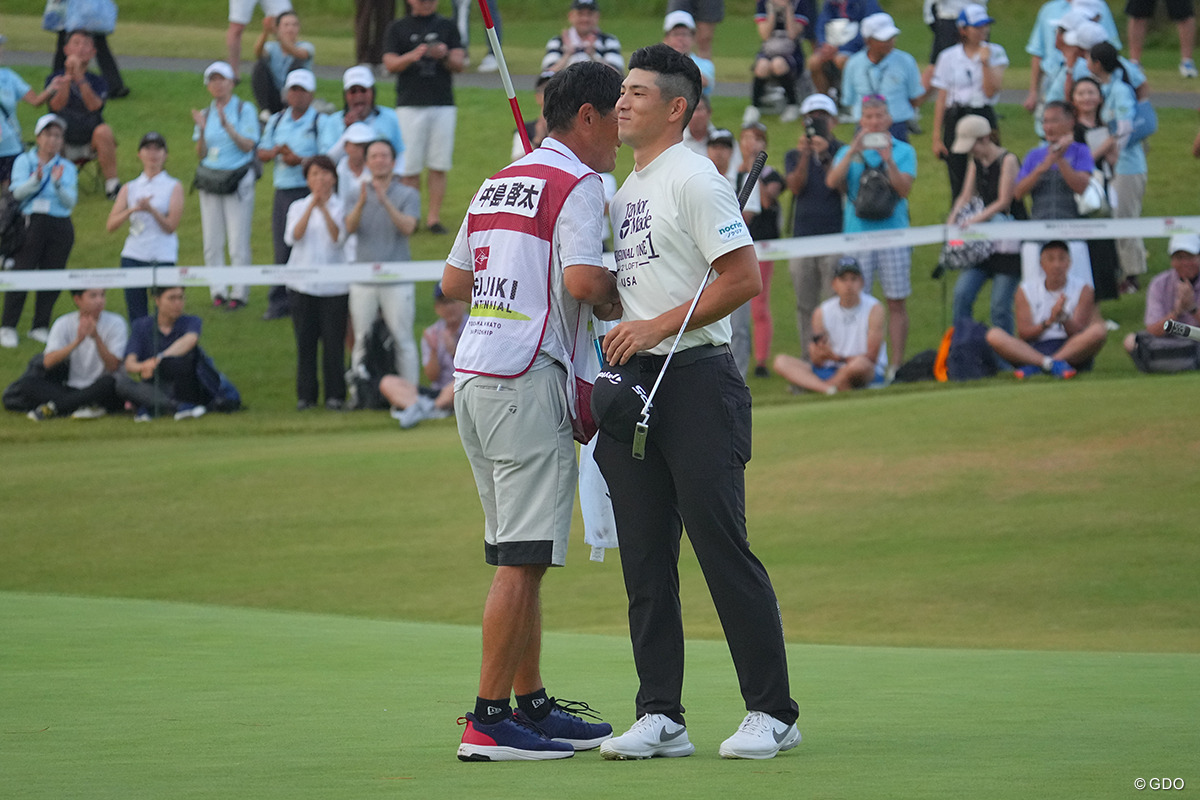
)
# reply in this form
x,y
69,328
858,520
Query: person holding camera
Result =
x,y
424,50
876,172
816,208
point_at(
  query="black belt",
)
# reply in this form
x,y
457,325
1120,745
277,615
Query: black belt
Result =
x,y
682,358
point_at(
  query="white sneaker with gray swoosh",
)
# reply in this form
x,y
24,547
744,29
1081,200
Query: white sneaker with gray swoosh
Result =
x,y
760,736
652,736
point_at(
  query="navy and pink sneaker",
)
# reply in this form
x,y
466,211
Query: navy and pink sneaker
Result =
x,y
564,724
510,739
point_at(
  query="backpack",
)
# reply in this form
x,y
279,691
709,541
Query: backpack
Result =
x,y
380,360
970,355
225,396
876,199
12,225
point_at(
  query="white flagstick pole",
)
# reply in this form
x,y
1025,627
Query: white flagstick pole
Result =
x,y
504,76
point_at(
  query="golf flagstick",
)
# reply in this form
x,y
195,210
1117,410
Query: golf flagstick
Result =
x,y
505,78
642,428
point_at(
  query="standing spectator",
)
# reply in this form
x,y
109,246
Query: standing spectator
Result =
x,y
1173,295
847,350
74,20
276,59
240,12
416,403
152,204
582,40
83,351
1051,175
12,91
78,96
353,175
782,24
292,135
384,215
968,78
991,176
424,51
371,19
44,183
1090,131
462,18
942,18
1130,169
358,94
763,226
880,70
1044,40
164,352
316,229
225,135
707,15
838,37
893,264
1181,12
1059,329
816,207
679,33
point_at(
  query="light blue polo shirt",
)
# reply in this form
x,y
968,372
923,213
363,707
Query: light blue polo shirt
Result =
x,y
1119,102
280,63
222,152
897,77
12,89
306,136
383,121
47,198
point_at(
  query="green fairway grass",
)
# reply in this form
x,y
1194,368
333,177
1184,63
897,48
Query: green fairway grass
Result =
x,y
128,699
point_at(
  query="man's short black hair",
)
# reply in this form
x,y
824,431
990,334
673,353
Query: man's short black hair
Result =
x,y
81,32
1062,105
570,88
678,75
1055,244
159,291
391,147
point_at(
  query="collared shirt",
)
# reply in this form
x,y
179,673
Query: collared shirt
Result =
x,y
1160,299
280,63
47,196
1118,106
147,241
1041,38
382,120
12,89
606,49
897,77
222,152
306,136
316,248
961,76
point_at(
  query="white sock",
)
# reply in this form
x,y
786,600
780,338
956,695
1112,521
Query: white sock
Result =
x,y
111,183
1047,363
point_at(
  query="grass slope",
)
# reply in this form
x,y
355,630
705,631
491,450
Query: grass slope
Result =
x,y
129,699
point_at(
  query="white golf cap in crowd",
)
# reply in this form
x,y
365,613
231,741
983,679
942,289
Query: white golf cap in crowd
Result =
x,y
969,130
1185,242
818,101
218,68
49,119
301,79
1088,9
677,18
358,76
360,133
1069,20
880,27
1086,35
973,15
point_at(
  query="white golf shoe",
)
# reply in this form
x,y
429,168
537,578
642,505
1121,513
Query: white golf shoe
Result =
x,y
652,736
760,736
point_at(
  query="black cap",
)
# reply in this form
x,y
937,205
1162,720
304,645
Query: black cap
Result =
x,y
586,5
153,138
617,399
847,264
544,78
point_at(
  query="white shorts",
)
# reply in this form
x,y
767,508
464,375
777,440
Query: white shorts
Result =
x,y
428,134
517,435
240,11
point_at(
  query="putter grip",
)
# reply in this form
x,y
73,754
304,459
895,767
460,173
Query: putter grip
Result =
x,y
1181,329
751,179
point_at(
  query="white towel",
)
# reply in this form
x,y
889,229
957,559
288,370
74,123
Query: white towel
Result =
x,y
599,525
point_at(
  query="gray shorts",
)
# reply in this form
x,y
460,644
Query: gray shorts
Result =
x,y
701,10
517,435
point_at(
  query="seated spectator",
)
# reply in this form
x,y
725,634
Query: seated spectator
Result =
x,y
968,79
277,58
679,33
45,184
535,128
838,38
315,230
413,403
846,350
78,96
13,89
880,70
782,24
385,213
1059,329
81,357
875,149
164,352
991,175
1174,294
582,40
240,12
152,204
358,93
1051,175
817,208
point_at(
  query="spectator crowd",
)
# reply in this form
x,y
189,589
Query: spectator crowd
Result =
x,y
355,183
